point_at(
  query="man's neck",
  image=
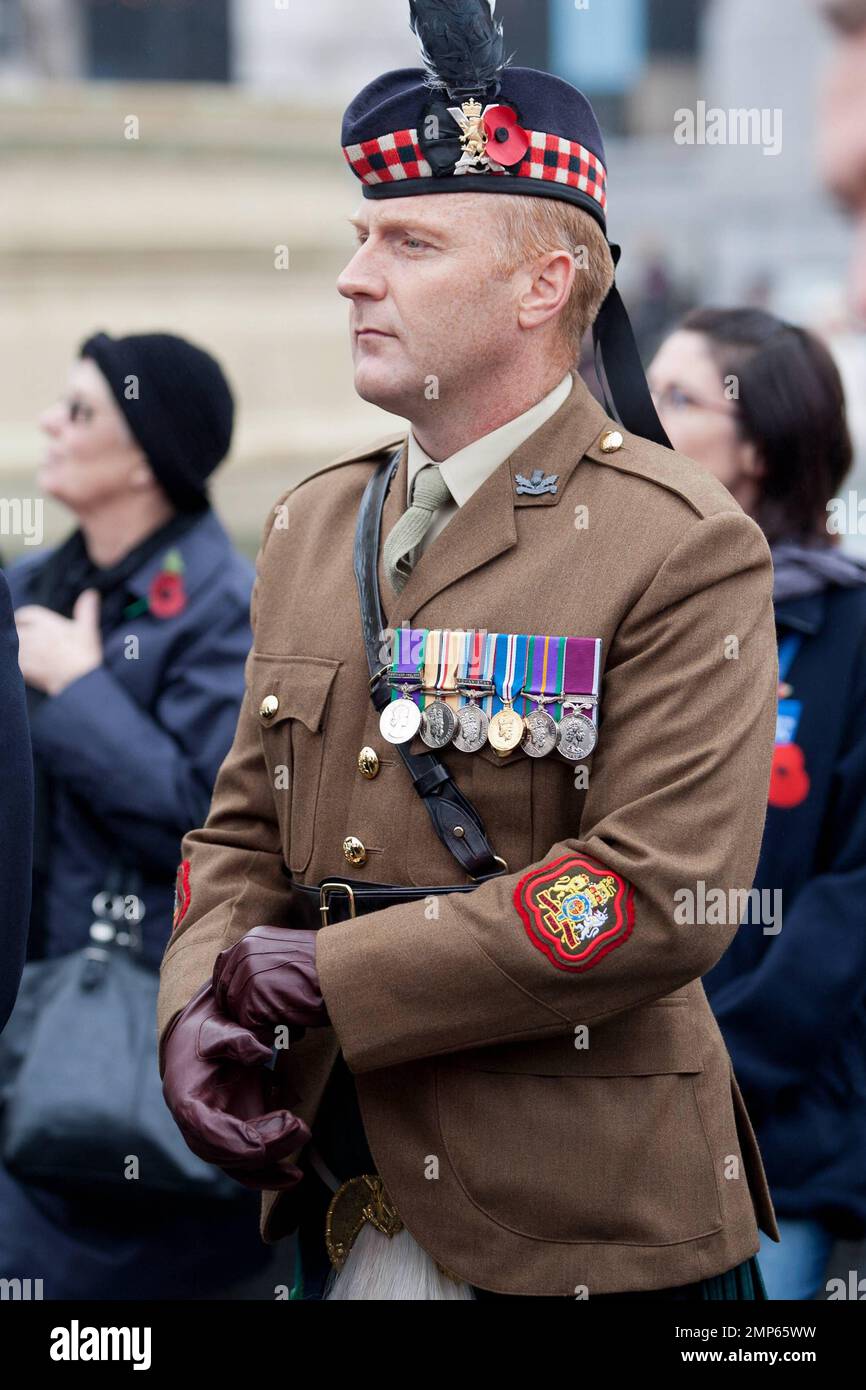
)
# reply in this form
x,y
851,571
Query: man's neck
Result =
x,y
115,529
451,427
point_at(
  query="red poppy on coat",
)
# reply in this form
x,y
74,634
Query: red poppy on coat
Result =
x,y
507,141
167,596
789,780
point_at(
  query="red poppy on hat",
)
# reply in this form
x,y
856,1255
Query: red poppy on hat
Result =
x,y
507,141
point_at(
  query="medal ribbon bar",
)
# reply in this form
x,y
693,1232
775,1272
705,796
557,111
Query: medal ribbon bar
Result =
x,y
582,672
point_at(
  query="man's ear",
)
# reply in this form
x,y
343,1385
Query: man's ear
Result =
x,y
548,290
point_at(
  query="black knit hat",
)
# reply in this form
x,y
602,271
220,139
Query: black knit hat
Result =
x,y
469,122
177,403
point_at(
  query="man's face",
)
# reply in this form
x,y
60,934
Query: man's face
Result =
x,y
428,319
843,148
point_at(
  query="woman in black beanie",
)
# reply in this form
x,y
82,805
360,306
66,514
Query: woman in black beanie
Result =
x,y
177,404
132,640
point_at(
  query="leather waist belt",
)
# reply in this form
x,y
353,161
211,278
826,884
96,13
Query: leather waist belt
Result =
x,y
341,899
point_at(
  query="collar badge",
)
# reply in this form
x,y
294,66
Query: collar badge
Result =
x,y
538,484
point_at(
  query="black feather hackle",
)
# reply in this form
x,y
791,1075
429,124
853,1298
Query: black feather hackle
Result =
x,y
462,44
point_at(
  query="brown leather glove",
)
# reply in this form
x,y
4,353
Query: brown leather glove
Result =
x,y
217,1088
269,978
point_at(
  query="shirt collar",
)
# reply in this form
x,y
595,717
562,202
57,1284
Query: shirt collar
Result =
x,y
465,471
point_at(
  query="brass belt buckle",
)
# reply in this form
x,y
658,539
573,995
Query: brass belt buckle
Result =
x,y
325,893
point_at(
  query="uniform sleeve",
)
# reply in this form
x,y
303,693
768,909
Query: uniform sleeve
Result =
x,y
149,775
780,1020
16,811
675,807
231,875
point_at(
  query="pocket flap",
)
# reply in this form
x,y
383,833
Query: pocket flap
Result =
x,y
300,685
646,1041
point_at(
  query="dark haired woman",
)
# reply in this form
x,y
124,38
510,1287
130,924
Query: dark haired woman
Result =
x,y
760,403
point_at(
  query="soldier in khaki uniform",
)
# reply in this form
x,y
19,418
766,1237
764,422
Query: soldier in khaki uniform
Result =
x,y
502,1075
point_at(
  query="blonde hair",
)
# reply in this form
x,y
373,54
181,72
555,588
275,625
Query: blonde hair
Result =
x,y
533,227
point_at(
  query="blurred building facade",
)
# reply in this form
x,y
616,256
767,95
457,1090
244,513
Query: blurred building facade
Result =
x,y
625,54
640,62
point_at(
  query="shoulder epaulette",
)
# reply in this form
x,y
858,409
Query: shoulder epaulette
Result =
x,y
630,453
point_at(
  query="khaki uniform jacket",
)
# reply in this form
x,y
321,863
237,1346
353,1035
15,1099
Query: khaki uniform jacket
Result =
x,y
522,1160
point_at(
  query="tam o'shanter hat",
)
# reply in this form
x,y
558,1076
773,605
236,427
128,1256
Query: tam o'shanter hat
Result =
x,y
468,122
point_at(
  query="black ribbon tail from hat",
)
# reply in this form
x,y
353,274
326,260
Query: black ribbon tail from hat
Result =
x,y
620,371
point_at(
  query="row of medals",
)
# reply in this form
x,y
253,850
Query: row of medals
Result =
x,y
470,727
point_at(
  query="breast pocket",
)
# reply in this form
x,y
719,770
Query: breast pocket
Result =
x,y
290,697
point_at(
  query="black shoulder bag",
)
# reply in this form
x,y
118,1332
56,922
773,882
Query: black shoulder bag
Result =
x,y
80,1092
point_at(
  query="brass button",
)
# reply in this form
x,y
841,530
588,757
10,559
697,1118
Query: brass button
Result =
x,y
458,831
269,706
611,442
354,850
368,762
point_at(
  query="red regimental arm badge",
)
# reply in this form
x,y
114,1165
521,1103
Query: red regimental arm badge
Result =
x,y
181,894
575,910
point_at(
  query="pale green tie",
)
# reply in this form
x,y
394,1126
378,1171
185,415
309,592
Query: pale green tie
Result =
x,y
429,493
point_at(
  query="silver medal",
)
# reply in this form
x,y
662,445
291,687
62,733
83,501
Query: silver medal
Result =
x,y
438,724
400,721
576,738
472,725
539,738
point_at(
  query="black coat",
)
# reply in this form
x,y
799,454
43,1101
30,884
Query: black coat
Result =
x,y
16,810
792,1006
